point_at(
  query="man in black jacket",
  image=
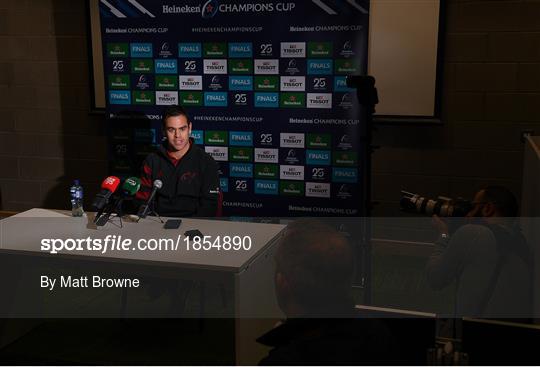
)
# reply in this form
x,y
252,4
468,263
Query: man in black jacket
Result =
x,y
189,174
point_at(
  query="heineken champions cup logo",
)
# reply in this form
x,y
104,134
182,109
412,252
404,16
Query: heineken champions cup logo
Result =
x,y
210,9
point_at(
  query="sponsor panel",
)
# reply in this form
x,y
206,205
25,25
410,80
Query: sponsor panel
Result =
x,y
223,169
190,82
291,156
145,136
198,137
240,50
166,98
215,83
344,142
143,81
216,138
317,190
242,83
215,50
318,174
320,49
319,141
292,100
266,49
345,158
344,101
142,66
166,50
268,100
266,171
193,99
166,82
224,184
319,67
293,66
319,100
215,66
240,66
241,185
117,50
293,49
291,172
266,67
190,67
340,84
220,154
346,66
215,99
119,66
266,155
319,84
291,188
266,187
240,154
119,97
347,50
318,157
241,170
345,191
143,98
293,83
241,138
292,140
189,50
166,66
241,99
267,83
267,140
141,50
120,81
345,175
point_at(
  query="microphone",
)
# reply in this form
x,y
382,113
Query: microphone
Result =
x,y
143,210
129,188
108,187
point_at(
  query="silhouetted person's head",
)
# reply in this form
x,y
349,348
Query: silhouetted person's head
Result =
x,y
494,203
314,270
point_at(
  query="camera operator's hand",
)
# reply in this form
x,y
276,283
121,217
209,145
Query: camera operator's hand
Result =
x,y
440,225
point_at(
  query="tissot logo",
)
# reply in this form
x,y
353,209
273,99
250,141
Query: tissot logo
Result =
x,y
293,49
270,67
317,190
322,100
166,98
215,66
292,140
292,84
190,82
220,154
291,173
264,155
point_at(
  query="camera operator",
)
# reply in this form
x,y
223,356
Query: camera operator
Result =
x,y
488,258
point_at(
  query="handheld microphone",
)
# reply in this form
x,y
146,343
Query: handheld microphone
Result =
x,y
108,187
143,210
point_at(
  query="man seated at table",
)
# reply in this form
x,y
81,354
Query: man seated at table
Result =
x,y
189,174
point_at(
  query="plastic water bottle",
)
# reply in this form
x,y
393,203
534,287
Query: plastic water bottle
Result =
x,y
76,192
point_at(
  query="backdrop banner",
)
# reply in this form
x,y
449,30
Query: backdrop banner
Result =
x,y
264,83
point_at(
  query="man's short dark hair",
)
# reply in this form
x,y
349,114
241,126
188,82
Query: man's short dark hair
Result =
x,y
318,262
503,199
173,111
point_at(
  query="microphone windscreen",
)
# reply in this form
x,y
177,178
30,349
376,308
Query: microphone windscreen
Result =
x,y
110,183
158,184
131,186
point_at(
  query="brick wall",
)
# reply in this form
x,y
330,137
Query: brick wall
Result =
x,y
47,138
491,93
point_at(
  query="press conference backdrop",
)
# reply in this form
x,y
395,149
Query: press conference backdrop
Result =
x,y
403,56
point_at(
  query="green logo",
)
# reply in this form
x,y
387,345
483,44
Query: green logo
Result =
x,y
291,188
166,82
142,66
117,50
215,138
241,66
266,170
346,66
320,49
293,100
345,158
143,98
241,154
267,83
119,82
191,99
215,50
319,141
